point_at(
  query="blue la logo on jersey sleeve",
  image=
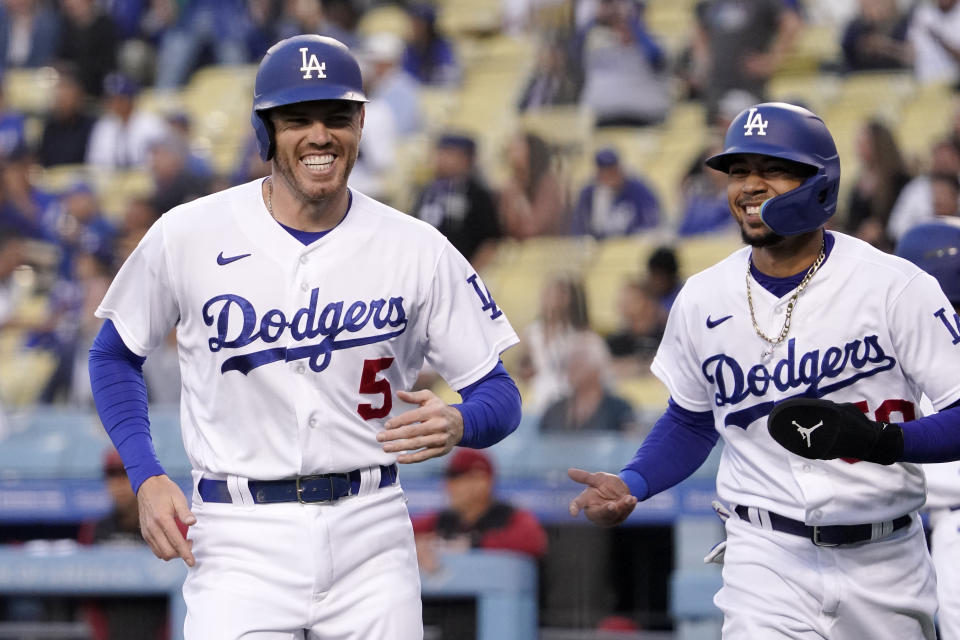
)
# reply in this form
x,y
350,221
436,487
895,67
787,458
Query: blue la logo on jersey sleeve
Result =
x,y
954,328
811,369
485,298
238,324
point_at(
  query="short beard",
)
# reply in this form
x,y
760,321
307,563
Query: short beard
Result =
x,y
766,240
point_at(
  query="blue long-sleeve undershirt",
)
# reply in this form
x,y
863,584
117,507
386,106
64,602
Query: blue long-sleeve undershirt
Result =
x,y
120,394
933,438
491,409
677,445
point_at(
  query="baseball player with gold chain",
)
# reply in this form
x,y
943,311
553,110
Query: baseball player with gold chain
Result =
x,y
815,548
303,312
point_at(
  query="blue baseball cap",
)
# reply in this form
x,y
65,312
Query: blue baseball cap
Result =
x,y
607,158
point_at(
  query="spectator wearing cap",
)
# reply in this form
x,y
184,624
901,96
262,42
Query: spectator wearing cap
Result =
x,y
181,128
174,183
83,228
614,203
429,56
457,202
122,136
475,518
386,81
68,125
129,618
24,207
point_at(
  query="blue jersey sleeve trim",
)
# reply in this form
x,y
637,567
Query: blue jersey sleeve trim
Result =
x,y
933,438
491,409
120,395
678,444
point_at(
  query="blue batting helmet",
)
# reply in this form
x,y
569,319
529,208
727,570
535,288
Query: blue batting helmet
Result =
x,y
301,69
935,248
793,133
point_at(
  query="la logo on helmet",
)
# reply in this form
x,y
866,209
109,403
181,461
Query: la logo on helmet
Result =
x,y
755,121
308,66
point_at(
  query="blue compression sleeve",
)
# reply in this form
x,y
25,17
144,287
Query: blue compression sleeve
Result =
x,y
677,445
120,393
490,409
933,438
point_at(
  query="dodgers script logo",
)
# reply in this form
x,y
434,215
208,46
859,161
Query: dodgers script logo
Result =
x,y
238,325
839,366
755,121
311,65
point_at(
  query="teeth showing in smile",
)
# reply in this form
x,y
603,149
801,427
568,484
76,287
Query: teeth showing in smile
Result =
x,y
318,163
752,209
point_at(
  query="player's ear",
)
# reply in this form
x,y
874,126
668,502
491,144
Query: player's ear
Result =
x,y
363,113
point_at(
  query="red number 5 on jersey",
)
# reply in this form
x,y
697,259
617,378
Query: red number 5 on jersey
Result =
x,y
370,384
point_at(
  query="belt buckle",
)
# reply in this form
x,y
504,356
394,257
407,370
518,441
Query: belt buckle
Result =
x,y
820,543
299,486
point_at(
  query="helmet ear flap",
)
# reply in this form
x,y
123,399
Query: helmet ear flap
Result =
x,y
263,127
800,210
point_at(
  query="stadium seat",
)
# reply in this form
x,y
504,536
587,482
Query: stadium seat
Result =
x,y
384,18
647,394
29,91
699,252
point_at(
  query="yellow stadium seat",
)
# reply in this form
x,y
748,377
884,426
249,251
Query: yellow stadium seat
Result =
x,y
645,392
815,44
117,188
29,90
59,178
469,17
699,252
388,18
925,118
617,261
815,90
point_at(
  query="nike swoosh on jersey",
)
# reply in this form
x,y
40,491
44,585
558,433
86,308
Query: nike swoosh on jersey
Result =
x,y
713,323
222,261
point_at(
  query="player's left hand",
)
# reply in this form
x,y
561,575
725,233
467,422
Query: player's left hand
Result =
x,y
429,431
824,430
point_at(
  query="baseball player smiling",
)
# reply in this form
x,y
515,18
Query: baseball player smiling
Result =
x,y
303,311
815,548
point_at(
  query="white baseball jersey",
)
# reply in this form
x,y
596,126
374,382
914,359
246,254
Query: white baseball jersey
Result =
x,y
865,330
291,355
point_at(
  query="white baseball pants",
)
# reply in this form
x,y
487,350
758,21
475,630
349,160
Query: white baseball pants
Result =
x,y
778,586
290,571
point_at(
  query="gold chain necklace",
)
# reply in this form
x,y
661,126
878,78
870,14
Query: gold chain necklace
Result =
x,y
791,303
270,197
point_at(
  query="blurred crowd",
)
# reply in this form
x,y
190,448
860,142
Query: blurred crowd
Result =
x,y
111,62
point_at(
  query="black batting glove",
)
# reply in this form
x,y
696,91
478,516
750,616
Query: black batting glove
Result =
x,y
824,430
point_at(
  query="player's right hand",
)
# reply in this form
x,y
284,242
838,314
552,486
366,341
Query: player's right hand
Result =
x,y
161,504
606,501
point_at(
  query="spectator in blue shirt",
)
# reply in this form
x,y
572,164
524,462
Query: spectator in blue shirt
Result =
x,y
29,33
222,25
12,134
614,204
429,56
